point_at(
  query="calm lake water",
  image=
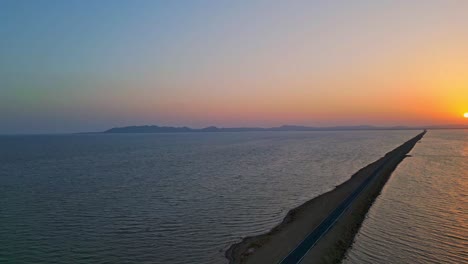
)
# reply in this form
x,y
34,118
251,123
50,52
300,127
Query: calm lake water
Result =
x,y
184,198
422,214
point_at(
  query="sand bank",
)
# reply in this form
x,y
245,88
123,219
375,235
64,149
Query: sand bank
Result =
x,y
275,245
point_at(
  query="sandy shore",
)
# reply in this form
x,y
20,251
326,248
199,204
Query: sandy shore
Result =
x,y
273,246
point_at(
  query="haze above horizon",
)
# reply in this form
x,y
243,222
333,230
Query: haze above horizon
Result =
x,y
71,66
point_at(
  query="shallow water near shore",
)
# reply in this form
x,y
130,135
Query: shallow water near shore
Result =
x,y
422,214
164,198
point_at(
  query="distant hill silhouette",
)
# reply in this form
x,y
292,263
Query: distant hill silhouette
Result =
x,y
168,129
148,129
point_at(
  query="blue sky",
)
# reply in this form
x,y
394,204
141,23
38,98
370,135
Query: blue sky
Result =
x,y
70,66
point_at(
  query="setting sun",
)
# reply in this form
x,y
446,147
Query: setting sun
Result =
x,y
465,115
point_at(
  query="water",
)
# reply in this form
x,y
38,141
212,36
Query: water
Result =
x,y
422,214
164,198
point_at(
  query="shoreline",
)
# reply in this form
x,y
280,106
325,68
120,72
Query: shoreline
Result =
x,y
275,245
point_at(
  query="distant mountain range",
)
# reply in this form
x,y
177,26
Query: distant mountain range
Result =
x,y
168,129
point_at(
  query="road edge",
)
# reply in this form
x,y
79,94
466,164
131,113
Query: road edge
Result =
x,y
334,244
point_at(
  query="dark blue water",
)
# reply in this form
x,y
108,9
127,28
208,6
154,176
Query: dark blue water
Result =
x,y
164,198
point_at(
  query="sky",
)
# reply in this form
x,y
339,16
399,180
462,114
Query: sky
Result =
x,y
74,66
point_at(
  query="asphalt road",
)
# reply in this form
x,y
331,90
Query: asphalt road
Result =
x,y
297,254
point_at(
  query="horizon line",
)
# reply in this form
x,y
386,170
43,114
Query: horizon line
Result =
x,y
284,127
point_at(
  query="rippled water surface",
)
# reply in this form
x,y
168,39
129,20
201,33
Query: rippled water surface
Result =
x,y
422,214
178,198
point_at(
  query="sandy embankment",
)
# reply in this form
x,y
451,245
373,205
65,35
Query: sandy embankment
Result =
x,y
273,246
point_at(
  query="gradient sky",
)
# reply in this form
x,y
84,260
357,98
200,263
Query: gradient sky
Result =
x,y
68,66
